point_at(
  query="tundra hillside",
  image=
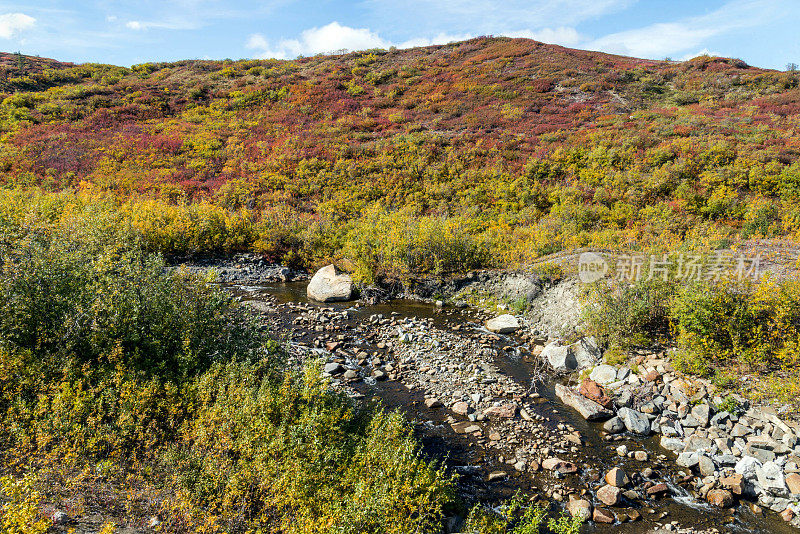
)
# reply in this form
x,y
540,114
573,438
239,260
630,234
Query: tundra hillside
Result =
x,y
487,152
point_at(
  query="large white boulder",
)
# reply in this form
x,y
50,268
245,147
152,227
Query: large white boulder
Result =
x,y
329,284
504,324
580,355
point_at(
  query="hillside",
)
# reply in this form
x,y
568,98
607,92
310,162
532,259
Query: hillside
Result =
x,y
531,147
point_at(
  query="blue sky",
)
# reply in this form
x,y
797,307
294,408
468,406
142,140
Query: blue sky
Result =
x,y
762,32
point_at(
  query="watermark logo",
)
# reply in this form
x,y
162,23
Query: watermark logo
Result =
x,y
591,267
676,266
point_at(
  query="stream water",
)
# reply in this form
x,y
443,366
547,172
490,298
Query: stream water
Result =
x,y
441,442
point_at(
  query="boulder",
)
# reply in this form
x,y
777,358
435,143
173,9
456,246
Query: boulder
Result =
x,y
580,355
590,410
720,498
333,368
770,478
634,421
617,477
592,390
461,408
747,467
580,508
672,444
793,483
329,284
505,411
733,483
609,495
504,324
604,374
601,515
706,466
614,425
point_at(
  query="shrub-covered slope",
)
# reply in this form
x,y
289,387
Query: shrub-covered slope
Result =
x,y
504,148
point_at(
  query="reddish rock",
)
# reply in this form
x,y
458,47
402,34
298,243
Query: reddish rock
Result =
x,y
735,483
594,391
793,481
720,498
554,464
652,376
787,515
506,411
657,489
609,495
332,345
601,515
461,408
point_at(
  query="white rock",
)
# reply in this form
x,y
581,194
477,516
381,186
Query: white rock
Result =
x,y
504,324
329,285
604,374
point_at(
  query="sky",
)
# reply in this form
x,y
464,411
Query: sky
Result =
x,y
761,32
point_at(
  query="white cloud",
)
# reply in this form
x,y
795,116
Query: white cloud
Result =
x,y
677,38
334,36
12,24
328,38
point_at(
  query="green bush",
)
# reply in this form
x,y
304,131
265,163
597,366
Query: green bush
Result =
x,y
627,315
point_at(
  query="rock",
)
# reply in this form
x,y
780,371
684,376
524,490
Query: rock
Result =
x,y
734,483
555,464
504,324
657,489
593,391
641,456
701,413
580,508
787,515
609,495
60,518
604,374
506,411
432,403
672,444
589,409
793,483
747,467
706,466
497,475
720,498
461,408
472,429
332,368
601,515
688,459
617,477
770,478
634,421
580,355
329,284
586,351
614,425
350,374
